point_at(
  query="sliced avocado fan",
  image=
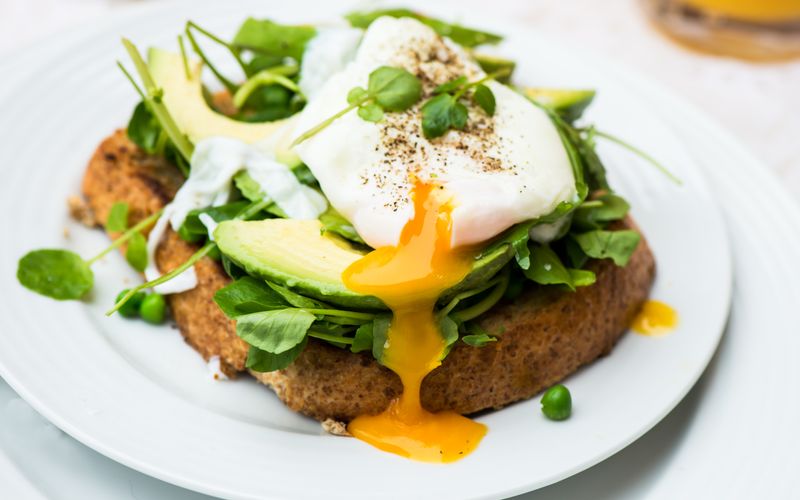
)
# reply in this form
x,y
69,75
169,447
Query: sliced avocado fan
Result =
x,y
299,255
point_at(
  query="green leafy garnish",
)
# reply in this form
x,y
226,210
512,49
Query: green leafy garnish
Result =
x,y
274,331
64,275
136,253
467,37
388,89
546,268
277,75
205,250
117,220
145,131
441,114
615,245
247,295
362,341
268,38
264,361
484,98
58,274
445,111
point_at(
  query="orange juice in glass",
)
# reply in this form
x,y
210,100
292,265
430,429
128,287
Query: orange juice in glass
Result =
x,y
763,30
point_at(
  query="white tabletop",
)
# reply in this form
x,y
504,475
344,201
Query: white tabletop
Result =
x,y
757,103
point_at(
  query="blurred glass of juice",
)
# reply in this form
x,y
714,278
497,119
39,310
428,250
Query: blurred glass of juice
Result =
x,y
761,30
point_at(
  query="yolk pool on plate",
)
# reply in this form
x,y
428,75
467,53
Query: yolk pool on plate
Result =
x,y
409,278
655,318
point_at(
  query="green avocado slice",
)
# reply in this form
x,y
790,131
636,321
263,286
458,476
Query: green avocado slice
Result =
x,y
299,255
570,104
183,97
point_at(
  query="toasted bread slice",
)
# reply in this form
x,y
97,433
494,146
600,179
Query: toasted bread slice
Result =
x,y
547,334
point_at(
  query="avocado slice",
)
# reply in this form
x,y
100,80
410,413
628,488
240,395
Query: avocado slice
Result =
x,y
299,255
570,104
183,97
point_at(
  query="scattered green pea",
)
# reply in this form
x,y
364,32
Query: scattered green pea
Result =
x,y
557,403
153,308
131,308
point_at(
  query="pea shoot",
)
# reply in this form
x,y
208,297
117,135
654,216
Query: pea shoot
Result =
x,y
388,89
557,403
64,275
445,111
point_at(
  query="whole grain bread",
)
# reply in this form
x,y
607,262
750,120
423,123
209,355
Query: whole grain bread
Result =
x,y
547,334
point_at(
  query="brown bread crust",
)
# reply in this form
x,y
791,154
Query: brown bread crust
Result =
x,y
547,334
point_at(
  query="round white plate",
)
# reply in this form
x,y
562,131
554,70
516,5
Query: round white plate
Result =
x,y
139,395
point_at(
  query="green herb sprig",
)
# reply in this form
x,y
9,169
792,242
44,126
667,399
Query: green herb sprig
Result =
x,y
445,111
206,249
388,89
62,274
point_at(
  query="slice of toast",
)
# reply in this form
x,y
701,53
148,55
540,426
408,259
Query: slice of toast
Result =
x,y
547,334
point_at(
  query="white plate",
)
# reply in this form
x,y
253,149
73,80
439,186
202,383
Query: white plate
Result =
x,y
140,396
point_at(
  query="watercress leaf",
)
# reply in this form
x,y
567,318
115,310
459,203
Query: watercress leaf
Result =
x,y
615,245
449,330
296,299
136,253
546,268
264,361
518,237
371,112
613,208
451,86
458,115
461,35
380,334
248,295
395,89
334,222
478,340
582,277
357,95
436,116
144,129
266,37
363,338
274,331
484,97
117,220
575,253
58,274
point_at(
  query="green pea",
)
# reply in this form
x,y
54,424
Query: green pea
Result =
x,y
131,308
557,403
153,308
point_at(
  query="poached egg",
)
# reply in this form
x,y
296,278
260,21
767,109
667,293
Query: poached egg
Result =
x,y
501,170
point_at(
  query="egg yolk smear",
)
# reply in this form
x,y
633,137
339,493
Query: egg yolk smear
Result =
x,y
409,278
655,319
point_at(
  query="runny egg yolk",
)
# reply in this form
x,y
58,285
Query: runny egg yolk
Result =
x,y
655,319
409,278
